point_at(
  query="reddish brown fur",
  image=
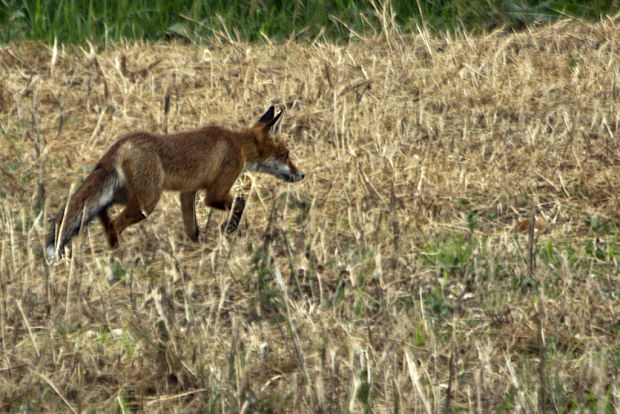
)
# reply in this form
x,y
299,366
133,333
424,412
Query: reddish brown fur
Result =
x,y
139,166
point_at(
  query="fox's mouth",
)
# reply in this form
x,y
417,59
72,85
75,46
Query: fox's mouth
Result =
x,y
292,178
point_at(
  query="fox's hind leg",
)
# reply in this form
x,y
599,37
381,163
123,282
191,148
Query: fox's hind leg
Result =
x,y
121,195
133,213
188,208
104,218
145,180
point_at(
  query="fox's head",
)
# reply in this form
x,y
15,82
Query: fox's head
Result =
x,y
272,153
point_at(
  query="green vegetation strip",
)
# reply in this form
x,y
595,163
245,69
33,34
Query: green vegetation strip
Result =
x,y
104,21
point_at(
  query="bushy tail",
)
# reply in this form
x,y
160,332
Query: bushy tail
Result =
x,y
94,195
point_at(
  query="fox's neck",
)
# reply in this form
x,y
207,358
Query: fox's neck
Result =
x,y
250,146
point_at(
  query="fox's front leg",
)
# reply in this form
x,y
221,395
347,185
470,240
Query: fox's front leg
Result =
x,y
226,203
188,208
218,195
231,225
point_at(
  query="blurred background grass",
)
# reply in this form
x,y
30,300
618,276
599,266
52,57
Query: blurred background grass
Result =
x,y
105,21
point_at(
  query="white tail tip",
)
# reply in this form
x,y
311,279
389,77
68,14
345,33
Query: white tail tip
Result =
x,y
50,254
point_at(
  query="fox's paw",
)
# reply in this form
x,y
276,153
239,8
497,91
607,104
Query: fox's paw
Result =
x,y
239,206
230,226
194,235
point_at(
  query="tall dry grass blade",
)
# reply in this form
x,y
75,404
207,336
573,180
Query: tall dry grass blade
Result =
x,y
531,259
53,387
18,303
415,380
163,398
54,56
542,355
451,368
291,325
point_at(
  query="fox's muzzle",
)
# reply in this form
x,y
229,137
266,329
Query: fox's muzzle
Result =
x,y
293,178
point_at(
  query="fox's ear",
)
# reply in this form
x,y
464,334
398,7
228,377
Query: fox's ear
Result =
x,y
268,116
273,126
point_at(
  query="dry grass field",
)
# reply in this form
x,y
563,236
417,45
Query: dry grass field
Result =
x,y
453,247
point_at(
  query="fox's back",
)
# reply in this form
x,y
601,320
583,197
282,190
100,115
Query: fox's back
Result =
x,y
188,160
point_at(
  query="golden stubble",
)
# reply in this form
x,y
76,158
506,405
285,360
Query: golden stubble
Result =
x,y
409,144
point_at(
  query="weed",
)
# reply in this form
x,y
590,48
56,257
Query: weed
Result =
x,y
451,256
118,272
599,226
437,303
267,297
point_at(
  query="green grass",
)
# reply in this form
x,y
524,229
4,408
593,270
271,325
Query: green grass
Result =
x,y
105,21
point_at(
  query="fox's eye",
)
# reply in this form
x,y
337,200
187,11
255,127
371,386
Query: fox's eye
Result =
x,y
286,156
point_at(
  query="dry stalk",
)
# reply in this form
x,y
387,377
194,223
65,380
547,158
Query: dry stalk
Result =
x,y
294,336
18,303
542,356
531,258
53,387
452,368
415,379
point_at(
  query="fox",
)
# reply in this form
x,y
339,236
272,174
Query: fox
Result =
x,y
139,166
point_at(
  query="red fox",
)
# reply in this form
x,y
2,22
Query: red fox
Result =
x,y
139,166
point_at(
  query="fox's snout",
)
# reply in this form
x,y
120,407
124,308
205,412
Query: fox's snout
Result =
x,y
293,178
290,173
